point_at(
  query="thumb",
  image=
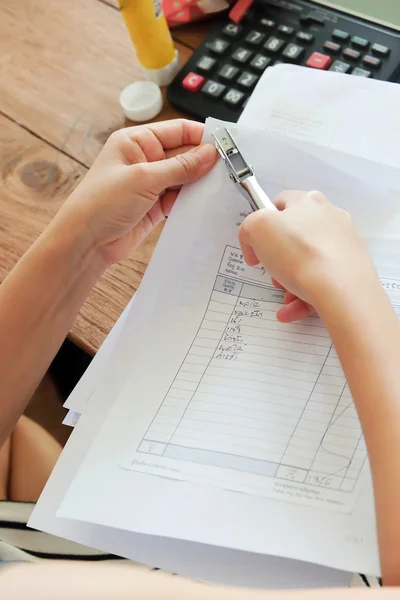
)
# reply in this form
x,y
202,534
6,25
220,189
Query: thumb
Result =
x,y
182,168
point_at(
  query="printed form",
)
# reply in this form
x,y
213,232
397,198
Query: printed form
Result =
x,y
258,406
221,398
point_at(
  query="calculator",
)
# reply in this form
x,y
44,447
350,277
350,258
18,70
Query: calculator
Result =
x,y
222,72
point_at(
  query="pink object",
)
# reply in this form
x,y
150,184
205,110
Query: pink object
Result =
x,y
319,61
178,12
193,82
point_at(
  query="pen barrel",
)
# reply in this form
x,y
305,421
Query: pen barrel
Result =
x,y
149,32
255,195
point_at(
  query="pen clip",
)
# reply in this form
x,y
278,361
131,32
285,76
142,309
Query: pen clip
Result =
x,y
238,168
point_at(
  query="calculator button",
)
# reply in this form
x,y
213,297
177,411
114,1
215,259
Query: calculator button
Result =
x,y
372,61
205,63
381,50
232,30
193,82
228,72
268,23
359,42
361,72
241,55
260,62
319,61
285,29
274,44
340,67
234,97
278,62
339,34
213,88
303,36
312,19
218,46
255,37
352,54
293,52
247,79
332,47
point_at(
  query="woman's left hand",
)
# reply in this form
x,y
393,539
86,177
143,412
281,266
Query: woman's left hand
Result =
x,y
134,182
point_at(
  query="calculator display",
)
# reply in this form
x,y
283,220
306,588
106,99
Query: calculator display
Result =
x,y
386,12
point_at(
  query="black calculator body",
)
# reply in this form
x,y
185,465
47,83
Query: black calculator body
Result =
x,y
221,74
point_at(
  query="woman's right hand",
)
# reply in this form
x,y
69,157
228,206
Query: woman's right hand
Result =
x,y
311,249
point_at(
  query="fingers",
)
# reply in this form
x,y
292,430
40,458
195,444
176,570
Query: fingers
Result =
x,y
294,311
256,226
177,132
180,169
287,198
148,143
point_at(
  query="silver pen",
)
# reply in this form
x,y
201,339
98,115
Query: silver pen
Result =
x,y
241,173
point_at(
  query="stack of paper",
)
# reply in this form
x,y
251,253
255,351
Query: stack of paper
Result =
x,y
214,441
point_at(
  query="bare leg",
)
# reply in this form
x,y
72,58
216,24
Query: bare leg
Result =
x,y
34,452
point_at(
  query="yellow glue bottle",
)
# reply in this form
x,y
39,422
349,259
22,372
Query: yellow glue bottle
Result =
x,y
151,37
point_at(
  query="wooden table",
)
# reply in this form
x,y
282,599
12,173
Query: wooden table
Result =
x,y
62,67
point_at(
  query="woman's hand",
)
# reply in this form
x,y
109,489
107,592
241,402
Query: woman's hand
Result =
x,y
134,182
310,247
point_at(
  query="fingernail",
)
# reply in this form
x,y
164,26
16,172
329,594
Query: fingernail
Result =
x,y
205,152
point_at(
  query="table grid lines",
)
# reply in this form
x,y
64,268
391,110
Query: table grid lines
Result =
x,y
282,417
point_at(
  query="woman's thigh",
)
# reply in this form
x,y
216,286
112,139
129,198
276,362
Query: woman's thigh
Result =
x,y
26,461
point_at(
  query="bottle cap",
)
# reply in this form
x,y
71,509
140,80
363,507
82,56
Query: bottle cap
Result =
x,y
165,75
141,101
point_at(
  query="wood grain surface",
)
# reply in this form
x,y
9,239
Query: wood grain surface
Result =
x,y
35,181
62,67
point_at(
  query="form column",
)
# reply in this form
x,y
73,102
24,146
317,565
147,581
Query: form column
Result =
x,y
186,382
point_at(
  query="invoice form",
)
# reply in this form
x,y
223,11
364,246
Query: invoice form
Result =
x,y
266,413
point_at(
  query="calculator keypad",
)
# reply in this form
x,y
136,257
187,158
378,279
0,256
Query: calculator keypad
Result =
x,y
358,72
332,47
228,64
213,88
234,97
228,72
242,55
285,30
372,61
260,62
274,44
380,50
319,61
293,52
359,42
232,30
255,38
305,36
340,67
351,53
247,79
218,46
206,63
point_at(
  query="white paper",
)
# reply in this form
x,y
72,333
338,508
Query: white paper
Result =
x,y
96,371
322,109
169,308
189,559
356,115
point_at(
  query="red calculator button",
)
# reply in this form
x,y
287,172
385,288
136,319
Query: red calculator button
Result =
x,y
193,82
319,61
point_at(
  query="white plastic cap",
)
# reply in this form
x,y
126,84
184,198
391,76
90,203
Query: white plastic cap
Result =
x,y
165,75
141,101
